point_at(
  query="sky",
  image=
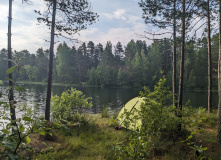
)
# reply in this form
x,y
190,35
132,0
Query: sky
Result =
x,y
119,21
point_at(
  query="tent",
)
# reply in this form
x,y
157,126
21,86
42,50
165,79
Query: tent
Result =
x,y
131,106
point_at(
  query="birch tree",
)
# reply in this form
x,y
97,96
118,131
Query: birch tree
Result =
x,y
10,68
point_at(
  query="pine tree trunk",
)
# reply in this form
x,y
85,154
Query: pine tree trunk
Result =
x,y
180,99
174,55
10,95
219,80
209,61
48,98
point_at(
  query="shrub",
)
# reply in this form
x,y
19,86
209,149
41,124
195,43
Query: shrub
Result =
x,y
158,121
105,113
68,105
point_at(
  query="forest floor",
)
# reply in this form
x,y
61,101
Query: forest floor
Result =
x,y
96,140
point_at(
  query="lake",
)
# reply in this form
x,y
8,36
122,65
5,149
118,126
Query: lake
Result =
x,y
114,98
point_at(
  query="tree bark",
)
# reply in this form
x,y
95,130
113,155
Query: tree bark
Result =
x,y
180,99
48,98
174,56
209,60
10,94
219,80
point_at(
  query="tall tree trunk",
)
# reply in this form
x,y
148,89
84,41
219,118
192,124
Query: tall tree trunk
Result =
x,y
48,98
209,60
180,99
219,80
174,55
10,95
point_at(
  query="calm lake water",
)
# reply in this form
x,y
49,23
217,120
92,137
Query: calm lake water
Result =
x,y
114,98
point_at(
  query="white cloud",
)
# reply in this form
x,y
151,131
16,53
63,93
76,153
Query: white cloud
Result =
x,y
27,35
89,32
30,37
118,14
4,13
123,35
133,19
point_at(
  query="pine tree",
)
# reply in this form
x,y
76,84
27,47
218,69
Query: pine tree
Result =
x,y
219,80
76,16
119,53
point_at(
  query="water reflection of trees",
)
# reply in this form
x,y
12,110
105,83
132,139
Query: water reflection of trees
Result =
x,y
113,98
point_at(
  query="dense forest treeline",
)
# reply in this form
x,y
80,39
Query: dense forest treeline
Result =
x,y
136,64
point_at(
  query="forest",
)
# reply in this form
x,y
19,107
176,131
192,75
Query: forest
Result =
x,y
134,65
168,128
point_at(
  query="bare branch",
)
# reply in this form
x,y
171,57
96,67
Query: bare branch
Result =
x,y
154,39
200,27
158,33
196,23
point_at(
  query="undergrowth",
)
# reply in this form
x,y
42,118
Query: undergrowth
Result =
x,y
94,140
97,140
80,136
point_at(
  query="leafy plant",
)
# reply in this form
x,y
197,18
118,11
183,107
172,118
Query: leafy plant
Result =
x,y
193,141
15,133
15,137
105,113
158,117
158,122
68,105
113,122
137,148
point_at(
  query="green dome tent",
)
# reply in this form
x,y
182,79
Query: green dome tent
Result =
x,y
131,106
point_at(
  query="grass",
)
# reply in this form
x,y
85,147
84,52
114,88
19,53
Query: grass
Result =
x,y
84,84
45,83
96,140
